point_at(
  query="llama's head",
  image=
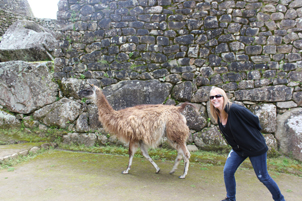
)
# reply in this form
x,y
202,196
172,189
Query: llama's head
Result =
x,y
89,92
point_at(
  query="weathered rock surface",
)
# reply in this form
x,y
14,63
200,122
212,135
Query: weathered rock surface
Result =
x,y
59,114
30,123
183,91
82,123
272,144
267,116
25,86
88,139
20,7
136,92
289,133
8,121
209,139
195,120
88,121
271,93
28,41
71,86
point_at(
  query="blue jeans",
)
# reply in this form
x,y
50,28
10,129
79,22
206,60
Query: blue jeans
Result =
x,y
259,164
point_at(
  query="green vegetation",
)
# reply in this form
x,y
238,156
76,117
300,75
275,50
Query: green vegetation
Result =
x,y
68,39
82,76
106,75
73,16
35,135
285,165
103,61
133,66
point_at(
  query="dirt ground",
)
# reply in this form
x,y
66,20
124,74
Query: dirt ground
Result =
x,y
62,176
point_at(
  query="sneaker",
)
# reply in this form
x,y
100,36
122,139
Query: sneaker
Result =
x,y
226,199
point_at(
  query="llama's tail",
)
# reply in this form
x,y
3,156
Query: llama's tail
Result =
x,y
182,106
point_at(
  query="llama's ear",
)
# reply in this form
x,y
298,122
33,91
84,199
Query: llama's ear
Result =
x,y
93,87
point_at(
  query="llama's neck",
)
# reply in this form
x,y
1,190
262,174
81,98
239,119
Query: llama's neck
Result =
x,y
103,105
107,115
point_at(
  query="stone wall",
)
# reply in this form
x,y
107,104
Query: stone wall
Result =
x,y
250,48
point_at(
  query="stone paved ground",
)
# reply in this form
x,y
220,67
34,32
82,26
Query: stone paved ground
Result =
x,y
63,176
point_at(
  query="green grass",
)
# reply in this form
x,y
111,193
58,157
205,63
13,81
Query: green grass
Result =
x,y
35,135
285,165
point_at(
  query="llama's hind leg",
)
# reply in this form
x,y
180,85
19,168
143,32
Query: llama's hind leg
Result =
x,y
132,149
182,153
186,155
144,150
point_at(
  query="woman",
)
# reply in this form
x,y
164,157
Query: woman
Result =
x,y
241,129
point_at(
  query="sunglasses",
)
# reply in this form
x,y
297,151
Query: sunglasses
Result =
x,y
216,96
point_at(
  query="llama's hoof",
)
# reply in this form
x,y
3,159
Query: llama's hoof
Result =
x,y
172,172
182,177
157,171
124,172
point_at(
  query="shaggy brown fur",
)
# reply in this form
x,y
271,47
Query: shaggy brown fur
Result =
x,y
144,126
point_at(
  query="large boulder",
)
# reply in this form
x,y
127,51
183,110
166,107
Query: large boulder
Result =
x,y
195,120
27,41
272,144
267,114
268,94
71,86
93,117
8,121
82,123
25,87
135,92
183,91
60,114
123,94
76,138
289,133
89,120
210,139
20,7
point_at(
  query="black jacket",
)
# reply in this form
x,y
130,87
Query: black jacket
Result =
x,y
242,131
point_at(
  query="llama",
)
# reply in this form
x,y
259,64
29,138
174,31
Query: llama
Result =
x,y
143,126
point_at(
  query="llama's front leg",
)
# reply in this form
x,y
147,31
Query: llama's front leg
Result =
x,y
144,150
176,163
132,150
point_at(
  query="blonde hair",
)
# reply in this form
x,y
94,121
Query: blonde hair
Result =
x,y
214,111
